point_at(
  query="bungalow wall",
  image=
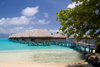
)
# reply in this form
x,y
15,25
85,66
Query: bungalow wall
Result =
x,y
27,39
41,39
58,39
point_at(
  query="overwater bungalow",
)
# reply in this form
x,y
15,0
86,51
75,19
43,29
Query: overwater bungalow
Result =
x,y
59,36
39,35
90,43
26,36
43,37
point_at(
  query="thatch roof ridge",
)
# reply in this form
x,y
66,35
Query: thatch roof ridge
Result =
x,y
41,33
59,35
19,35
28,34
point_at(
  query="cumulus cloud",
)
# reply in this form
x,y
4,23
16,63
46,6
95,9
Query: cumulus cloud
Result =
x,y
40,22
45,14
22,30
19,20
43,22
16,20
73,5
30,11
19,28
3,30
15,30
2,21
23,20
28,18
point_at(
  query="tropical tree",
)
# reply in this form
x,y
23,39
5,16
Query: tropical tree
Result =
x,y
82,19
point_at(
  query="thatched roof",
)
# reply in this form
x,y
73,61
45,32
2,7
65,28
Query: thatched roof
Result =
x,y
19,35
59,35
41,33
38,34
10,36
13,35
27,34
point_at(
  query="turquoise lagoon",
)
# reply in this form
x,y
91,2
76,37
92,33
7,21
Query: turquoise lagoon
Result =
x,y
14,51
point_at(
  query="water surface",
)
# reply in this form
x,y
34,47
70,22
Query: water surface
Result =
x,y
13,51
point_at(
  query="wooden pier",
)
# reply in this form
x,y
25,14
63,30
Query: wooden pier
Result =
x,y
77,45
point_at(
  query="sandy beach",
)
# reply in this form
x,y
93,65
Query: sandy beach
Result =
x,y
27,64
38,58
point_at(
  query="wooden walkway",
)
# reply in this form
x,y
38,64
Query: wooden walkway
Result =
x,y
78,45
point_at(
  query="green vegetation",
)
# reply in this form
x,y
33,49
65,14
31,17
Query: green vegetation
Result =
x,y
97,54
82,19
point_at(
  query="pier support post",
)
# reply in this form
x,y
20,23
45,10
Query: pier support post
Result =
x,y
89,47
61,44
80,48
28,44
84,49
37,43
33,44
76,47
43,43
48,43
66,44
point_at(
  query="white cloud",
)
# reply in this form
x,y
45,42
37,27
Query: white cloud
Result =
x,y
40,22
22,30
73,5
19,28
2,21
24,20
2,30
16,20
15,30
43,22
45,14
30,11
19,20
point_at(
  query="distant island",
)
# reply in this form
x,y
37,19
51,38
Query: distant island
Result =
x,y
4,35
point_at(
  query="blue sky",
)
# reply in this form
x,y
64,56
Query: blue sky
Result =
x,y
27,15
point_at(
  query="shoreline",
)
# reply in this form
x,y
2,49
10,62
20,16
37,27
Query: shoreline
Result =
x,y
30,64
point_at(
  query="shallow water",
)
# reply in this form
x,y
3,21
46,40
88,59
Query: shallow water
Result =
x,y
11,51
